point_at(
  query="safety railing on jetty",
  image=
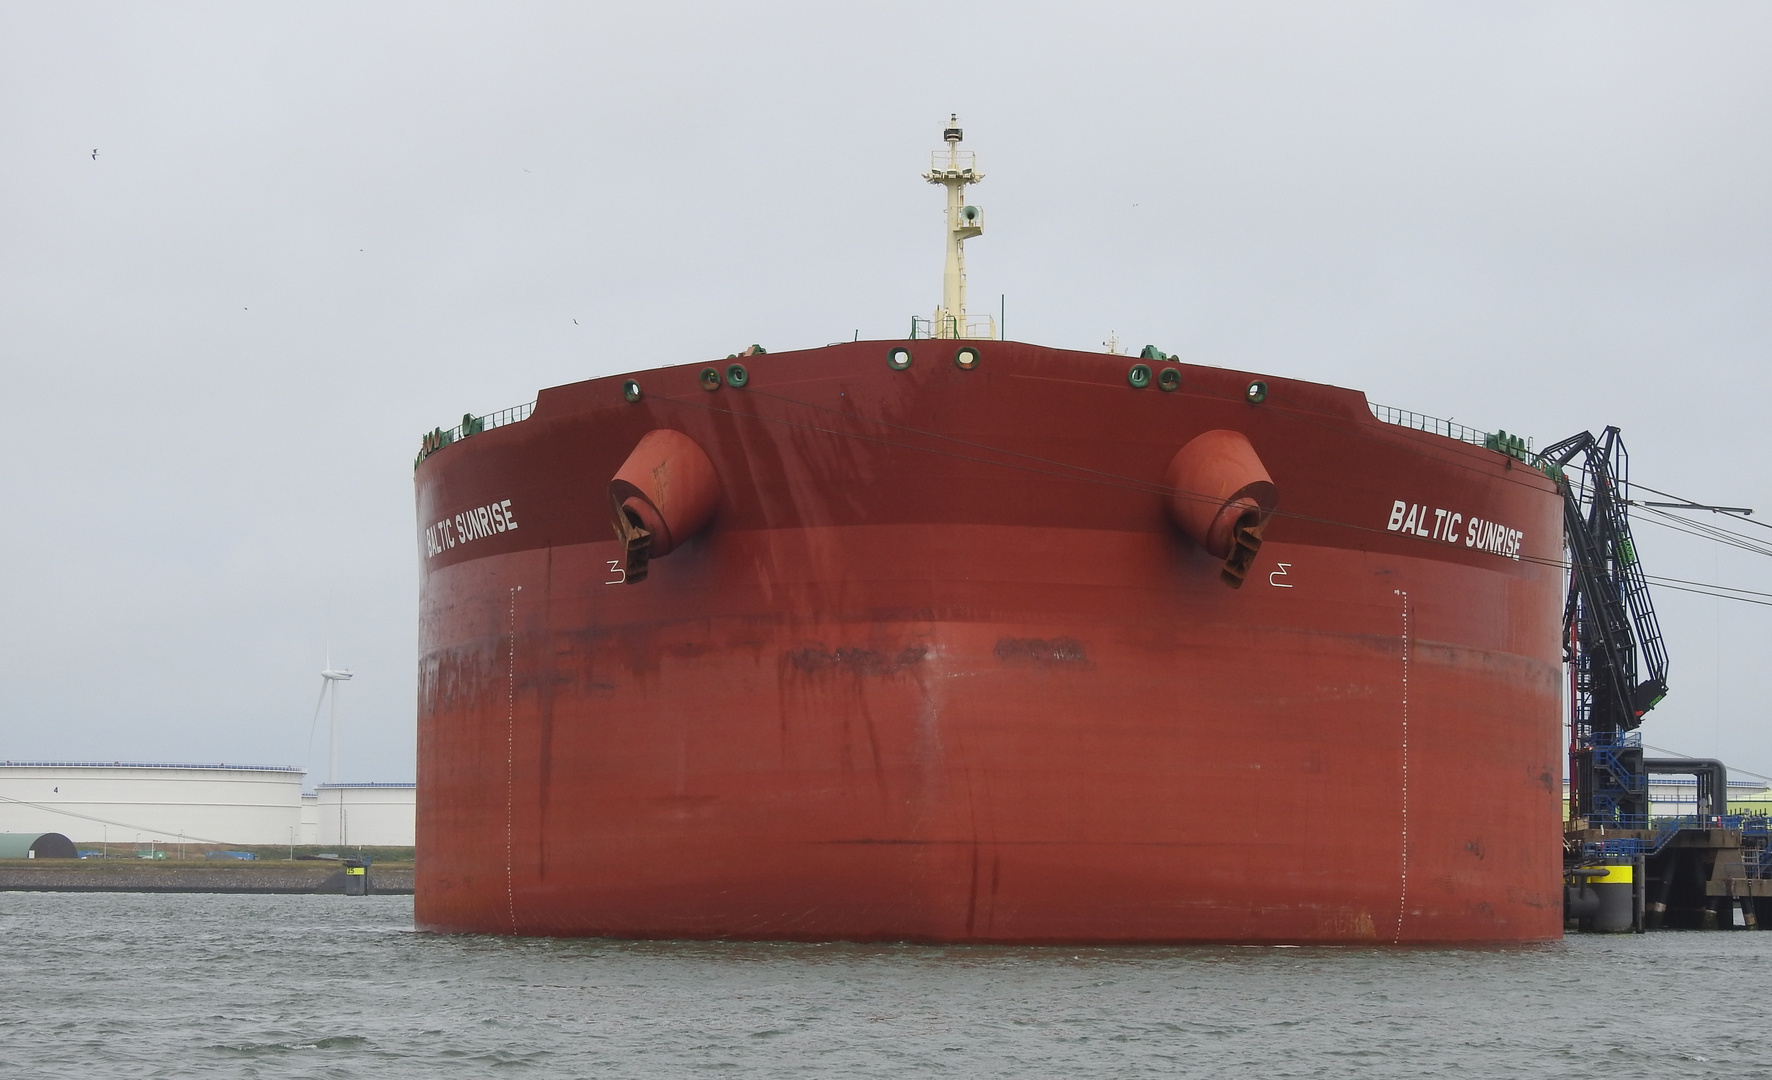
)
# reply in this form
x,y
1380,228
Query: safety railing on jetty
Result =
x,y
1662,830
1499,441
438,438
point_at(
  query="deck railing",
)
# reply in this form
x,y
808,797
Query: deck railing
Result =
x,y
977,328
962,161
1424,422
437,439
1500,441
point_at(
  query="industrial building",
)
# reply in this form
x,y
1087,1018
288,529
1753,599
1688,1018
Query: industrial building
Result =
x,y
31,845
113,802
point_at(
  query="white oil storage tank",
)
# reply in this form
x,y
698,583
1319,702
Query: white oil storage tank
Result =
x,y
96,802
367,815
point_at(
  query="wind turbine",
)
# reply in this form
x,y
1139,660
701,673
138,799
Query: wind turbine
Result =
x,y
330,677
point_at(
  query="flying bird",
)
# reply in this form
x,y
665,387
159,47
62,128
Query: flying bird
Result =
x,y
95,153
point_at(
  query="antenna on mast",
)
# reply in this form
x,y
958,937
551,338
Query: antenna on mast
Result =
x,y
953,169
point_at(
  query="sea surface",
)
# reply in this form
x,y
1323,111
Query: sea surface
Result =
x,y
138,985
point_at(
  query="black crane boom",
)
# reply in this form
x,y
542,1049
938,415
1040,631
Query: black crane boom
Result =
x,y
1611,638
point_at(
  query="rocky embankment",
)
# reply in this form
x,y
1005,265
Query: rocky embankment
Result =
x,y
122,875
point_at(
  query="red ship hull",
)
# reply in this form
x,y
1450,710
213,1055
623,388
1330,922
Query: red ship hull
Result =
x,y
941,669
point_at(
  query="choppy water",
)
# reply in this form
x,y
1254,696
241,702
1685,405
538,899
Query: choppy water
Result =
x,y
114,985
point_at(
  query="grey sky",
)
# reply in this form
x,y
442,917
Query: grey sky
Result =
x,y
313,232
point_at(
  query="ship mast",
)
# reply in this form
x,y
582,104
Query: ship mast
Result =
x,y
953,169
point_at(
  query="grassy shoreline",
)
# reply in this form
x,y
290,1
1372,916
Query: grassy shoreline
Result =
x,y
193,875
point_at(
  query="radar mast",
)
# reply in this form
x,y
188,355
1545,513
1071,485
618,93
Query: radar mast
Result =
x,y
953,169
